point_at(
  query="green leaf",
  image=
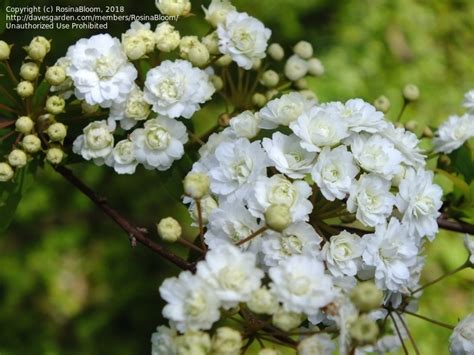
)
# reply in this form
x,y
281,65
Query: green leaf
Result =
x,y
463,162
41,93
11,196
457,182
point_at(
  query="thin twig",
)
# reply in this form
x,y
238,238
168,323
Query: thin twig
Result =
x,y
462,267
405,350
201,223
441,324
132,231
412,340
455,225
253,235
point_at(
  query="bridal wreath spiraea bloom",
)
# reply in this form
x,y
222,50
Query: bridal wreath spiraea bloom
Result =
x,y
461,341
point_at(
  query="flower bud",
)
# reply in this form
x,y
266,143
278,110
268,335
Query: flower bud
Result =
x,y
295,68
24,124
411,92
6,172
224,61
269,79
382,103
315,67
57,132
259,99
25,89
226,341
31,144
276,52
208,204
193,343
262,301
211,41
55,155
309,95
285,320
166,37
301,84
427,132
257,63
4,50
55,105
217,82
196,185
364,330
198,55
29,71
223,119
38,48
17,158
277,217
133,46
186,43
217,11
89,109
315,344
366,296
43,41
55,75
269,351
411,125
303,49
469,244
270,94
169,229
173,7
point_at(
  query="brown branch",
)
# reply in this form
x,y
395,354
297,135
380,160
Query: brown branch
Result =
x,y
454,225
132,231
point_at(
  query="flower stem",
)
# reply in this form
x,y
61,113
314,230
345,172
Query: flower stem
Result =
x,y
412,340
253,235
201,224
405,104
405,350
441,324
463,266
190,245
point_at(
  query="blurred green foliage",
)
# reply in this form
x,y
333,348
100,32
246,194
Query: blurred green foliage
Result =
x,y
70,283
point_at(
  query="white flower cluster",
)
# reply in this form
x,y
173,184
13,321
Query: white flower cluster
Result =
x,y
457,129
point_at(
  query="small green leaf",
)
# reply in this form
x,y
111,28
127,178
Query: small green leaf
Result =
x,y
463,162
41,93
458,182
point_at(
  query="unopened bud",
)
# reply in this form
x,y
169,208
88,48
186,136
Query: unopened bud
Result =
x,y
55,75
166,37
366,296
315,67
285,320
226,341
364,330
196,185
382,103
173,7
24,124
411,125
217,82
29,71
38,48
25,89
295,68
427,132
263,301
270,94
224,119
278,217
411,92
4,50
208,204
31,144
134,47
17,158
259,99
6,172
257,63
211,41
198,55
55,105
269,79
89,109
301,84
224,61
57,132
169,229
309,95
276,52
303,49
55,155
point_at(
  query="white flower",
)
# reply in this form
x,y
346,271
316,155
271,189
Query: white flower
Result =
x,y
343,254
142,31
191,303
360,116
316,344
370,196
334,172
287,155
469,100
159,143
376,154
122,158
277,190
173,7
246,124
166,37
295,68
96,142
130,111
243,37
469,244
392,252
239,164
231,274
318,128
301,285
162,341
298,239
461,341
231,223
284,110
177,88
406,143
100,70
453,133
217,11
419,200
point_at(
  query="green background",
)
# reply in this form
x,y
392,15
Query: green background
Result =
x,y
69,281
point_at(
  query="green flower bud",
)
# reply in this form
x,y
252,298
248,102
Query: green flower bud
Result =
x,y
25,89
17,158
259,99
270,94
4,50
198,55
6,172
223,119
224,61
301,84
366,296
31,144
276,52
24,124
226,341
29,71
278,217
57,132
55,155
269,351
55,75
196,185
89,109
411,92
364,330
257,63
308,94
303,49
211,41
382,103
286,321
55,105
411,125
217,82
427,132
315,67
269,79
169,229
